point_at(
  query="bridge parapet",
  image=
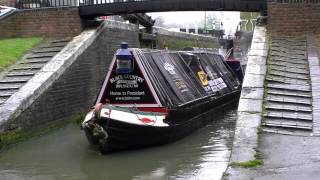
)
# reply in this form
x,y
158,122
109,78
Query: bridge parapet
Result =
x,y
50,22
10,3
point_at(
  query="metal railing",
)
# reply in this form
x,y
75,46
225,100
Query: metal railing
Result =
x,y
32,4
94,2
295,1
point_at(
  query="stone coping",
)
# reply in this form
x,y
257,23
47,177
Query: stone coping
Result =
x,y
42,80
251,100
6,11
49,9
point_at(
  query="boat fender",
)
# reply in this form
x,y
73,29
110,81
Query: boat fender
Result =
x,y
97,110
108,113
99,133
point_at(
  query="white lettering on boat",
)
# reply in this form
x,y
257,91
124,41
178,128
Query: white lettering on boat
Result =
x,y
126,78
136,93
128,98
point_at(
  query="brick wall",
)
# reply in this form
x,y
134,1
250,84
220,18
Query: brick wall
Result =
x,y
50,22
10,3
76,89
293,18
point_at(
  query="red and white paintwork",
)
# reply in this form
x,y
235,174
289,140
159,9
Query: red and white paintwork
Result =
x,y
134,117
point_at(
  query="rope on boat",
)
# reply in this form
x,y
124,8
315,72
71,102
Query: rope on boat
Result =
x,y
143,120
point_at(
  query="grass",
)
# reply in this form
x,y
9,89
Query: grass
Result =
x,y
12,49
247,164
252,163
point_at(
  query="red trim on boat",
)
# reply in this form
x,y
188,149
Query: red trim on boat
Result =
x,y
154,109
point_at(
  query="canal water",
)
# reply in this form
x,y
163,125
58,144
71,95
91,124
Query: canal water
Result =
x,y
66,155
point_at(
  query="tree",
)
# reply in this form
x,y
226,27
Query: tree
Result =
x,y
209,21
159,21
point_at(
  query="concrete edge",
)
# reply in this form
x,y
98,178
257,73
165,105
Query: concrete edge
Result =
x,y
314,67
10,12
251,101
41,81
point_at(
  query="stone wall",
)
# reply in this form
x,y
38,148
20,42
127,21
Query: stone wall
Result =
x,y
70,82
49,22
293,18
250,108
179,40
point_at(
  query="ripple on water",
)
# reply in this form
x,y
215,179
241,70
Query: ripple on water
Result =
x,y
65,155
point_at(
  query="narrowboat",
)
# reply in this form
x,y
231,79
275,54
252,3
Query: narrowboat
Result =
x,y
153,97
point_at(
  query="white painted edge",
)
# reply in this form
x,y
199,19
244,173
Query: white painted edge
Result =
x,y
314,68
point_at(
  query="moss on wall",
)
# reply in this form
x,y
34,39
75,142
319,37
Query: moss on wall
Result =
x,y
19,135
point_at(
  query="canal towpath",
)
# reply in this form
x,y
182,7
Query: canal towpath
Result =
x,y
286,139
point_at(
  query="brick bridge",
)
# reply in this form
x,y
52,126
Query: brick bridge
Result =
x,y
286,17
105,7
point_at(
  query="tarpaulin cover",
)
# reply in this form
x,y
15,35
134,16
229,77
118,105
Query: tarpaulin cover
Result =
x,y
179,77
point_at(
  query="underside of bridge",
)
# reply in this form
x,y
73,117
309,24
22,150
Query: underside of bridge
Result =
x,y
141,18
99,8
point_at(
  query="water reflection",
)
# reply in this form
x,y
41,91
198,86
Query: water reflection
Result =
x,y
65,154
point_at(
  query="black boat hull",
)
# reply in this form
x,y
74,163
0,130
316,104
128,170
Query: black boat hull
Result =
x,y
123,136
